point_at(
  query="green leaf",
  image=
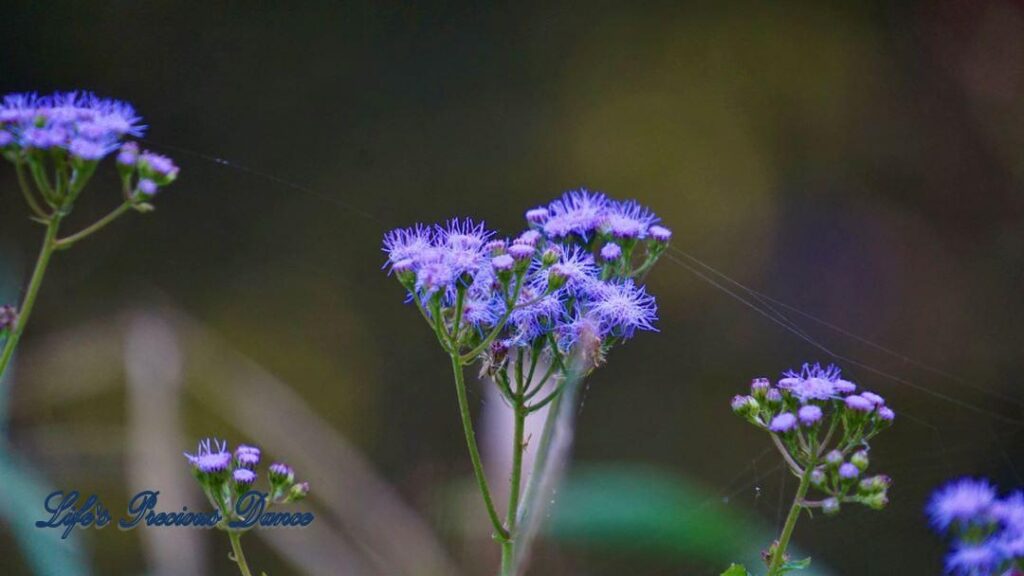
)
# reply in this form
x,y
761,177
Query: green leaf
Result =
x,y
736,570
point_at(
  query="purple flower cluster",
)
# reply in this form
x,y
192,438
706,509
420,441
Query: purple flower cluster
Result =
x,y
225,475
988,531
822,424
77,123
68,133
574,272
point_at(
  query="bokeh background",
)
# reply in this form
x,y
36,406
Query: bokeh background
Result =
x,y
860,163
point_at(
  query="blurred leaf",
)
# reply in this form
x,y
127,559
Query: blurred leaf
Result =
x,y
792,565
736,570
646,510
24,491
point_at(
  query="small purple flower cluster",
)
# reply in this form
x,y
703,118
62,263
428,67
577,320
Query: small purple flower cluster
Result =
x,y
822,424
988,531
68,133
225,476
573,276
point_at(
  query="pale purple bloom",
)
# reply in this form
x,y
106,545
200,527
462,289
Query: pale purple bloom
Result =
x,y
495,247
611,252
972,560
158,164
211,456
129,154
521,251
481,312
244,476
960,502
280,473
773,396
809,414
577,212
660,233
537,215
859,403
434,276
628,220
529,238
407,243
741,402
873,398
812,382
577,267
503,263
848,471
783,422
760,386
886,414
247,456
147,187
623,308
1010,512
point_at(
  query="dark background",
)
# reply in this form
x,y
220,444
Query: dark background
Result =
x,y
861,163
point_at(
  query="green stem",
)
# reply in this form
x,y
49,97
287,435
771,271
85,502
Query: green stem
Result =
x,y
474,450
774,569
26,191
49,245
236,547
65,243
514,488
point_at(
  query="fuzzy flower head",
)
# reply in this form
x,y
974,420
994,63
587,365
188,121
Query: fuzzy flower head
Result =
x,y
577,212
813,382
960,502
243,476
622,309
627,220
211,456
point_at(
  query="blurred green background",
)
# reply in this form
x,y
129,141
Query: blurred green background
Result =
x,y
860,162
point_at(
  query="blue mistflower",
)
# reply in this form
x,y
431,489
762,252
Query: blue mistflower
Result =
x,y
813,382
611,252
960,502
211,456
244,476
622,308
783,422
972,559
407,243
577,212
81,123
627,220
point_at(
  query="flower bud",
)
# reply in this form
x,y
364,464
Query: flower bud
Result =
x,y
759,387
860,460
809,415
550,256
834,458
537,215
875,484
521,252
611,252
773,396
660,234
745,406
830,506
783,423
556,278
818,477
243,477
848,471
875,501
298,492
495,247
281,474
